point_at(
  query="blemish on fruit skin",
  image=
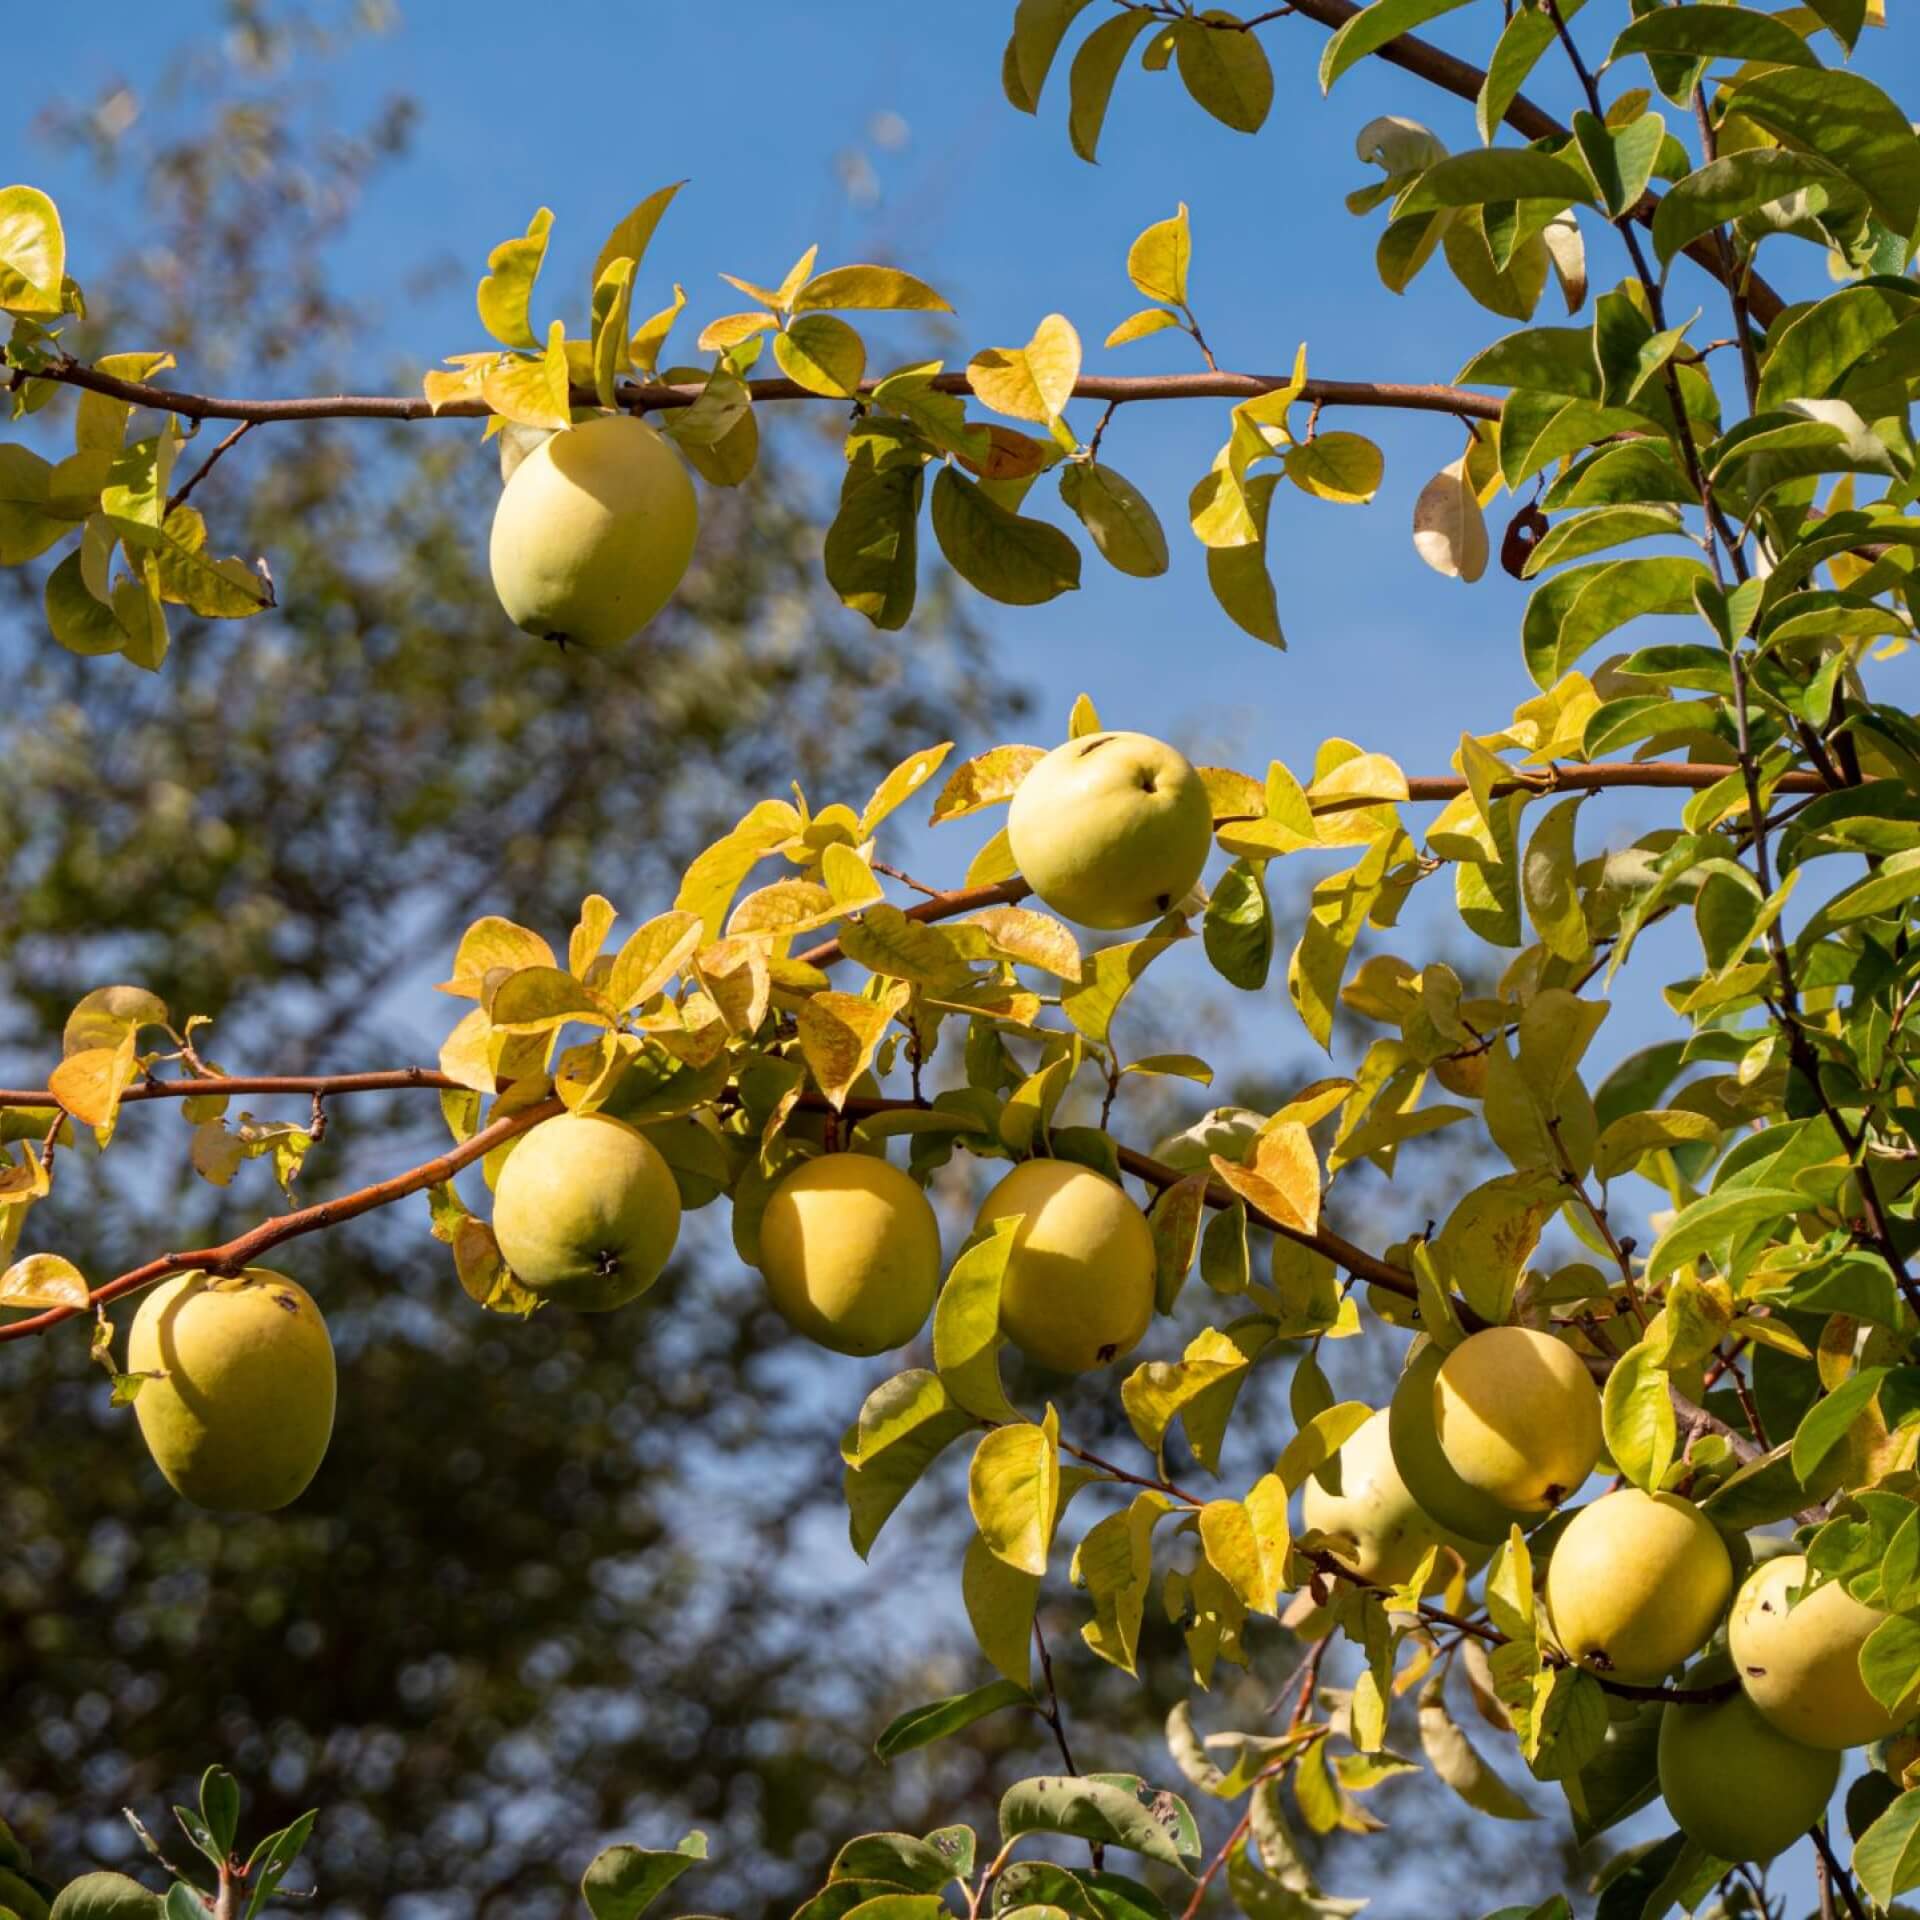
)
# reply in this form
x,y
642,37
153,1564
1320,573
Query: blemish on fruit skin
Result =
x,y
287,1303
1107,1352
606,1263
1099,740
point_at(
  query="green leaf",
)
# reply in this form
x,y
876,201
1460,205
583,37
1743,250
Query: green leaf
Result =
x,y
220,1808
1110,976
1637,1413
1715,33
898,1859
1580,607
1000,1602
1124,525
1846,120
1621,159
33,252
872,550
1156,1825
1238,928
1240,576
1343,467
921,1726
1623,1142
822,354
1827,1422
621,1882
1710,1223
1733,185
904,1425
27,525
1371,28
1495,175
1529,32
1339,908
105,1896
1812,354
1225,69
1886,1860
1890,1661
505,294
1016,561
1038,28
1095,68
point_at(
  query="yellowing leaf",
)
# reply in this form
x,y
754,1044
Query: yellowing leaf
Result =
x,y
1138,326
1033,939
1227,72
902,784
1344,467
33,252
1281,1178
1157,261
1013,1489
858,288
89,1083
1115,1564
1033,382
42,1281
1247,1542
985,781
635,229
650,956
708,886
838,1033
822,354
503,297
536,392
1449,532
1000,1601
731,328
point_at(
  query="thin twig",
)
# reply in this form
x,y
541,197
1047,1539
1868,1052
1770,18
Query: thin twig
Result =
x,y
207,465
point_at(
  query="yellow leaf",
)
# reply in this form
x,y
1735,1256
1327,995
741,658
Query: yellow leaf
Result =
x,y
43,1280
1248,1541
1000,1602
986,780
534,391
1033,382
992,864
597,915
1157,261
902,784
512,267
1282,1178
786,907
708,886
651,955
838,1033
1033,939
1013,1489
731,328
734,973
88,1084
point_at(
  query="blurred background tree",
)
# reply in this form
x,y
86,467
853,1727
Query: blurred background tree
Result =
x,y
561,1581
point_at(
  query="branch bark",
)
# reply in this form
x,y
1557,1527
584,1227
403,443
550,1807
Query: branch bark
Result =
x,y
241,1251
654,395
1462,78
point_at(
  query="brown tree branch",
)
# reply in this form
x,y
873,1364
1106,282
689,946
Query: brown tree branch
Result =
x,y
644,396
233,1255
1462,78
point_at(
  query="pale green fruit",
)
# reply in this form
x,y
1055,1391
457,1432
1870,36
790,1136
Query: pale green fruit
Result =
x,y
586,1212
1637,1583
241,1420
1799,1658
1424,1466
1518,1417
851,1253
1078,1290
22,1896
1733,1782
1112,829
1380,1530
593,533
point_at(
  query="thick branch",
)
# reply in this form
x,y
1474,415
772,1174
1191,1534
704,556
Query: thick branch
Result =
x,y
648,395
1461,77
233,1255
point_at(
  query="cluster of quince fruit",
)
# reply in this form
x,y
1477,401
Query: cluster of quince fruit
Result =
x,y
1112,830
1503,1430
